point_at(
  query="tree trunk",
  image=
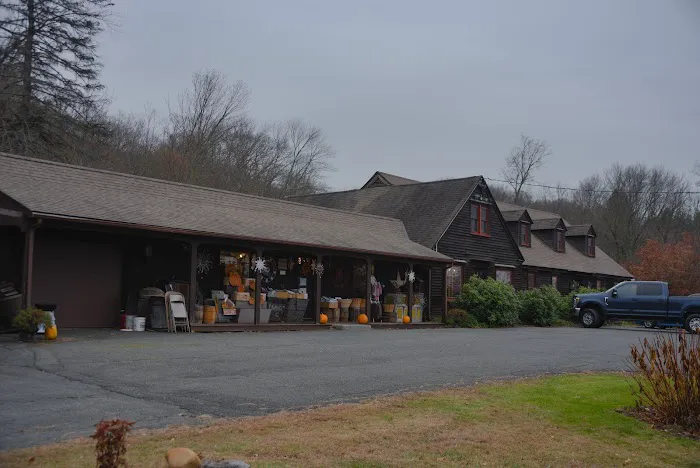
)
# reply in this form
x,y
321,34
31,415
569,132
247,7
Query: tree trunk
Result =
x,y
27,71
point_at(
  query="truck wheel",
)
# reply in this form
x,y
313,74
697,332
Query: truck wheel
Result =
x,y
590,318
692,323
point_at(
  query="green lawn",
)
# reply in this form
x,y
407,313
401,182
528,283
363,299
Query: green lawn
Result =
x,y
566,420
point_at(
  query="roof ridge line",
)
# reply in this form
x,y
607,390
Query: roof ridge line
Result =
x,y
385,186
181,184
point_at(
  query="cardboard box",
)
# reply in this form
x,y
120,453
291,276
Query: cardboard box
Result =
x,y
242,296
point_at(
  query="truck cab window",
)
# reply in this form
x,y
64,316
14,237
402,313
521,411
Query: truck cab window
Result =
x,y
649,289
626,290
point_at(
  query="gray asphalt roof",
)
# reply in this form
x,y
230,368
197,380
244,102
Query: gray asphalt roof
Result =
x,y
49,188
427,208
543,256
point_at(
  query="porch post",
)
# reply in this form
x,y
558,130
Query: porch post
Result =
x,y
194,246
410,291
429,291
444,294
28,266
368,290
258,280
317,293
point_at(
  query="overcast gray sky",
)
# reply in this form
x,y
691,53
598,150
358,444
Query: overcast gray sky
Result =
x,y
435,89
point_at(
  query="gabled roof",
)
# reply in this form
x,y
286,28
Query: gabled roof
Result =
x,y
54,190
427,208
389,179
541,255
534,214
580,230
548,224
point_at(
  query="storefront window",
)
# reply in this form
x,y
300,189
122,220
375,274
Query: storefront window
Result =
x,y
454,282
504,276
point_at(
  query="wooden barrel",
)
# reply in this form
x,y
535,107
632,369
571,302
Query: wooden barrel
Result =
x,y
209,314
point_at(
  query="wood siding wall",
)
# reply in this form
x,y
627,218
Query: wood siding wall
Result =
x,y
437,290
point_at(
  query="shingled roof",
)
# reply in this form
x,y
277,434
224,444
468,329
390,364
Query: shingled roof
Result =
x,y
389,179
427,208
541,255
579,230
54,190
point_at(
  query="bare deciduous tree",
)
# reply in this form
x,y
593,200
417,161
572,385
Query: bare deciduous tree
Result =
x,y
523,161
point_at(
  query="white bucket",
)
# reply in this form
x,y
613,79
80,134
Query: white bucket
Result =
x,y
139,323
129,322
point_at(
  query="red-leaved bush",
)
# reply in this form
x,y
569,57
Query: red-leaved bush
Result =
x,y
676,263
668,380
110,445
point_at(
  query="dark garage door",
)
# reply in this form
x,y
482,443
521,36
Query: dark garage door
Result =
x,y
83,278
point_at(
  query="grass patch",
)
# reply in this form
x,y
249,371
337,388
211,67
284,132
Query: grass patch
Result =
x,y
561,421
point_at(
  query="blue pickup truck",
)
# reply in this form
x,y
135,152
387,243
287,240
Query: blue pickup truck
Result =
x,y
637,300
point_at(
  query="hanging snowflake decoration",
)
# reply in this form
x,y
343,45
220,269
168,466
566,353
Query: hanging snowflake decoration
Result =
x,y
411,276
317,268
204,262
259,265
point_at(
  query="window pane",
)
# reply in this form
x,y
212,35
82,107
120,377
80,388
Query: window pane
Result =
x,y
484,220
530,280
555,281
454,281
475,218
504,276
627,290
648,289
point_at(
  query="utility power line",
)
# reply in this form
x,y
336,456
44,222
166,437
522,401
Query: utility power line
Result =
x,y
671,192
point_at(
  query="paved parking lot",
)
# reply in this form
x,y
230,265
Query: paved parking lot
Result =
x,y
55,391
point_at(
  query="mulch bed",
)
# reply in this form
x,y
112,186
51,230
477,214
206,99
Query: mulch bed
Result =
x,y
648,415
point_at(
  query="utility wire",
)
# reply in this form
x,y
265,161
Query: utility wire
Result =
x,y
686,192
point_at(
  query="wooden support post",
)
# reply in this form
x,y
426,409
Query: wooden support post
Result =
x,y
258,280
368,290
194,246
317,293
28,266
429,301
410,291
444,294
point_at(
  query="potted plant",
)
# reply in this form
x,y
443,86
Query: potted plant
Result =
x,y
27,322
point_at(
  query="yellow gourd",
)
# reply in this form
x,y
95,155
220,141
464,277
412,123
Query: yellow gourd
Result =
x,y
362,319
323,319
51,333
406,319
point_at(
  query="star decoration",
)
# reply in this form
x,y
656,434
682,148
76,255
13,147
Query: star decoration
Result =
x,y
259,265
317,268
411,276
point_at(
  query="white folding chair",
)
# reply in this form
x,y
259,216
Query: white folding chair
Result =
x,y
177,312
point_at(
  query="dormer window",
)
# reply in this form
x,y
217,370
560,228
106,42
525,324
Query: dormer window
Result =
x,y
590,246
561,244
524,234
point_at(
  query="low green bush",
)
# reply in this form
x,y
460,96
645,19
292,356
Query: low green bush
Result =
x,y
490,302
460,318
540,306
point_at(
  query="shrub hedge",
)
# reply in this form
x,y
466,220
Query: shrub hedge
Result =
x,y
491,302
460,318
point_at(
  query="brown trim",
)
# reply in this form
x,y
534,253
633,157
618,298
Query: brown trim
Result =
x,y
317,296
444,295
193,278
236,327
189,232
368,290
258,280
28,266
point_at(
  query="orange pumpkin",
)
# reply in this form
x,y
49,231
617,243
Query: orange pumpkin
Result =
x,y
362,319
51,333
323,319
406,319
